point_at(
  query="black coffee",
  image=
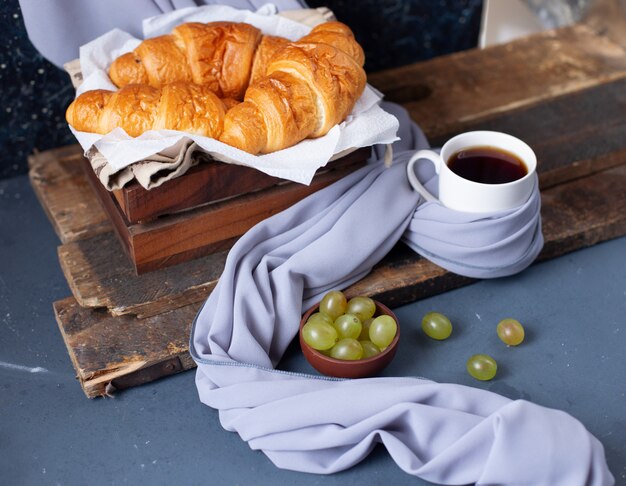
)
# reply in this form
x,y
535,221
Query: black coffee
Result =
x,y
488,165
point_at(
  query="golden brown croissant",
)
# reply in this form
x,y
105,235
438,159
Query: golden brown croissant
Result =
x,y
310,86
218,54
227,56
138,108
269,45
337,35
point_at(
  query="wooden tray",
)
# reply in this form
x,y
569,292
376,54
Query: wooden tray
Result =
x,y
207,182
209,228
122,330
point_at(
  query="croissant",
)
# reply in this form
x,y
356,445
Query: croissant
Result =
x,y
218,54
227,56
310,86
268,47
138,108
337,35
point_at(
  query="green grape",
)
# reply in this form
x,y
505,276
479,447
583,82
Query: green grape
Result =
x,y
383,330
333,304
436,326
363,307
320,316
347,349
369,349
365,329
348,326
325,352
510,331
319,335
482,367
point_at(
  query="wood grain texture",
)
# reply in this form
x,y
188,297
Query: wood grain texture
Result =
x,y
447,94
197,232
584,212
100,275
573,135
58,181
112,352
207,182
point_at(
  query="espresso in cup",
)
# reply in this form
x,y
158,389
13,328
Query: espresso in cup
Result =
x,y
487,165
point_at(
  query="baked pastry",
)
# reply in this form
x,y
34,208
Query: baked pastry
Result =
x,y
299,90
310,86
224,55
268,47
218,54
137,108
337,35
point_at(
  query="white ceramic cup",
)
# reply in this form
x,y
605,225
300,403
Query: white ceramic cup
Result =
x,y
461,194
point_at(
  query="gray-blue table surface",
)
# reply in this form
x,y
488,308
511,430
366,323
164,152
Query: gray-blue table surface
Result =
x,y
573,308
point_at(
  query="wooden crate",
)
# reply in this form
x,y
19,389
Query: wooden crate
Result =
x,y
562,91
206,222
208,181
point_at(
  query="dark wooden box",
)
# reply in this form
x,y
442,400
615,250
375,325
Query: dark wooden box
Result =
x,y
205,210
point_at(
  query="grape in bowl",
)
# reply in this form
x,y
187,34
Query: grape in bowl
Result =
x,y
351,366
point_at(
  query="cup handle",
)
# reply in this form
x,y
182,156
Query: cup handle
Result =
x,y
435,158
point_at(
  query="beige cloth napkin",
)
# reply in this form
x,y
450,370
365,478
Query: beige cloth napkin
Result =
x,y
178,159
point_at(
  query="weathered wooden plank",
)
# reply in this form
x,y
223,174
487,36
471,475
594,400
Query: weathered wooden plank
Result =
x,y
576,213
100,275
448,93
126,351
58,181
111,353
584,212
573,135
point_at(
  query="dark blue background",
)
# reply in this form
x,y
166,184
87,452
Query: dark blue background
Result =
x,y
35,93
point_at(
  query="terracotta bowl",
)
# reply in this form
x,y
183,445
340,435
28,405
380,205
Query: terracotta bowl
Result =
x,y
350,369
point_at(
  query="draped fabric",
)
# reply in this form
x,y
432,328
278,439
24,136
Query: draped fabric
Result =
x,y
483,246
444,433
